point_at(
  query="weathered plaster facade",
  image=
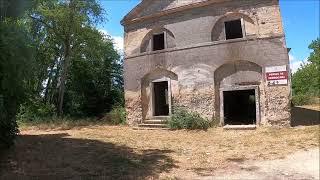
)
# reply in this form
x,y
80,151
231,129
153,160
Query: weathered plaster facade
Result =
x,y
198,62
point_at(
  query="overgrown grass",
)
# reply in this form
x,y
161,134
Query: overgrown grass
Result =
x,y
301,99
62,123
182,119
116,117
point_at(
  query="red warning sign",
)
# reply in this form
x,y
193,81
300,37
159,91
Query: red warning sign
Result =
x,y
277,75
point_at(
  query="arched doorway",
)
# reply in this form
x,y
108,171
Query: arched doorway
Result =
x,y
237,87
156,96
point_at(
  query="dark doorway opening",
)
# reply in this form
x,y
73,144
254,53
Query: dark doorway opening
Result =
x,y
161,101
233,29
239,107
158,42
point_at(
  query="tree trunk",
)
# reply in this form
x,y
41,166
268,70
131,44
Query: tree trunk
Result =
x,y
62,87
49,81
54,85
67,52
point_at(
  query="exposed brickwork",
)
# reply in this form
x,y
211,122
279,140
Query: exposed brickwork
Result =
x,y
200,101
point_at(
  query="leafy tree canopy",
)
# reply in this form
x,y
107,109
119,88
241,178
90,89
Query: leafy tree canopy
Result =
x,y
16,72
53,60
306,81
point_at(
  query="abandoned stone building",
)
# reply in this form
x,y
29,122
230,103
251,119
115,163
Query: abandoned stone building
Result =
x,y
225,59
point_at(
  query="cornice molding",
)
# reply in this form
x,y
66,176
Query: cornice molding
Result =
x,y
205,44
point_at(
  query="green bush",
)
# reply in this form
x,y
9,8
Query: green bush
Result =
x,y
118,115
36,111
300,99
182,119
215,122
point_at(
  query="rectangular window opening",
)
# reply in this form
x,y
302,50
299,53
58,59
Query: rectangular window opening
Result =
x,y
233,29
158,42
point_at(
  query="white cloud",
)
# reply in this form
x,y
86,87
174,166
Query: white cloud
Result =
x,y
117,41
291,57
295,66
295,63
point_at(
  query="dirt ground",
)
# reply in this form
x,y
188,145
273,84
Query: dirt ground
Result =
x,y
299,165
103,152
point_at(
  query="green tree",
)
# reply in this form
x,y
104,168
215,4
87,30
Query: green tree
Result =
x,y
95,81
315,54
68,21
16,67
91,72
306,81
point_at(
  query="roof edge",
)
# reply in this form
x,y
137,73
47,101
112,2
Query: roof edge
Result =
x,y
126,20
136,9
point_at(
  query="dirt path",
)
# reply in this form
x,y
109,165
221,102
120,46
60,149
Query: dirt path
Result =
x,y
300,165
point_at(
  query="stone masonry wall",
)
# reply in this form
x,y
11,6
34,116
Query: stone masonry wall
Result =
x,y
194,26
195,58
278,106
200,101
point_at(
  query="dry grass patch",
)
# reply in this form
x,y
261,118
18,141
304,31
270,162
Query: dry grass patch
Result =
x,y
143,154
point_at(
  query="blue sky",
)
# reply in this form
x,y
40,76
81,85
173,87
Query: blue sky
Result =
x,y
300,18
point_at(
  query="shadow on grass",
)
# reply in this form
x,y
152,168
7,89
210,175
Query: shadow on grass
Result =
x,y
304,117
55,156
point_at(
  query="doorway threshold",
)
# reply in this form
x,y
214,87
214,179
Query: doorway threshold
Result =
x,y
160,117
240,127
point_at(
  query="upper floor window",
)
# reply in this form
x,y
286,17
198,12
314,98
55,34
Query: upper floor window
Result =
x,y
158,42
157,39
233,29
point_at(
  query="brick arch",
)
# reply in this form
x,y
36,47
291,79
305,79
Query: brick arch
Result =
x,y
232,67
156,74
217,28
145,43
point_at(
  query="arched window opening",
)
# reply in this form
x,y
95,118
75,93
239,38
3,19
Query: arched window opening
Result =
x,y
233,26
233,29
157,39
158,42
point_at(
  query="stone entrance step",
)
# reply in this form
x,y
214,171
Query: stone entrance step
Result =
x,y
160,117
153,125
155,121
139,128
239,127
